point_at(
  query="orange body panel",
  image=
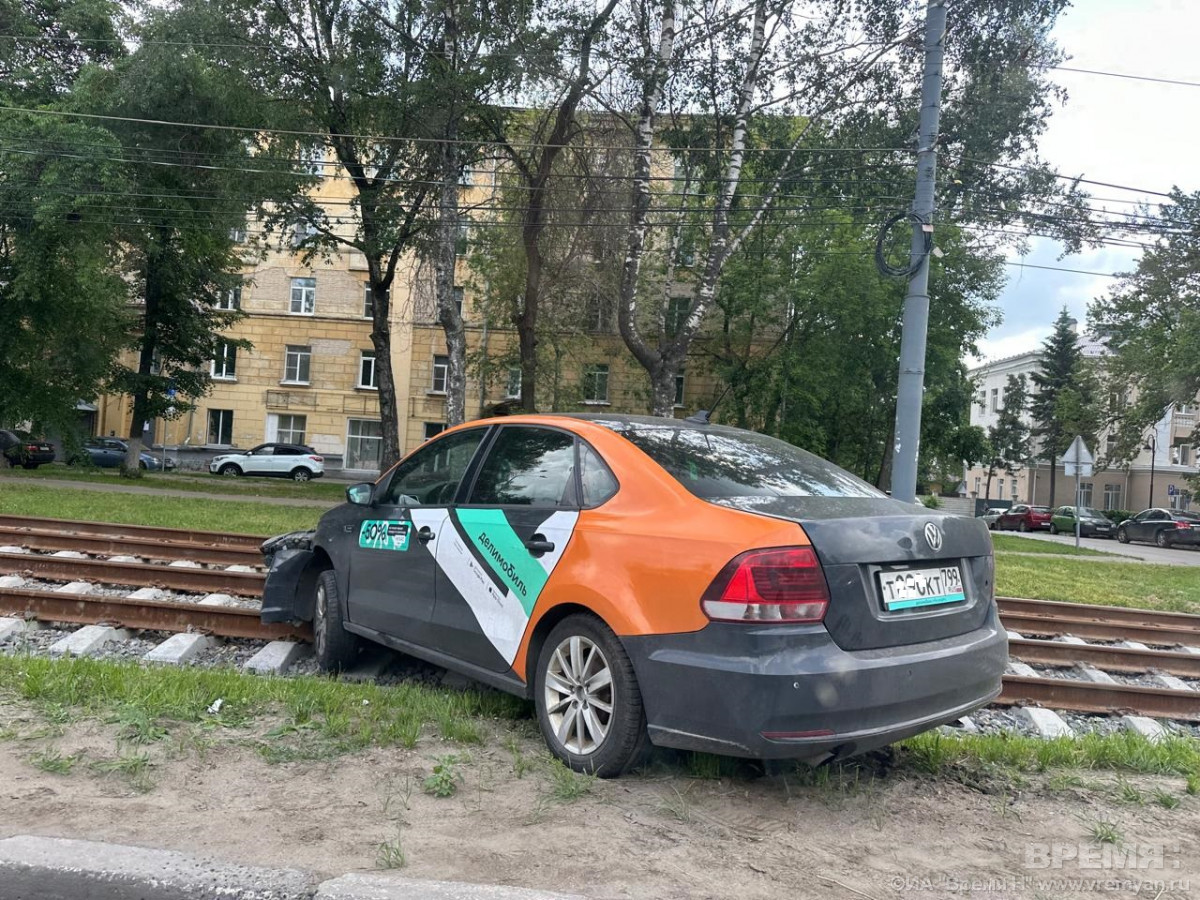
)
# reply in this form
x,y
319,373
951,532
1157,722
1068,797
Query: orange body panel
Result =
x,y
642,560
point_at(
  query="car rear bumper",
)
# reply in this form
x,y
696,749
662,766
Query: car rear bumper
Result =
x,y
790,692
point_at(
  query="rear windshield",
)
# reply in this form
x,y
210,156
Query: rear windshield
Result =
x,y
715,462
1040,508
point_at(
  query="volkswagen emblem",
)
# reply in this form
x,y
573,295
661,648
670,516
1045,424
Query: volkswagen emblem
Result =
x,y
933,537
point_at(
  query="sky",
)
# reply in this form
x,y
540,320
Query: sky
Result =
x,y
1134,133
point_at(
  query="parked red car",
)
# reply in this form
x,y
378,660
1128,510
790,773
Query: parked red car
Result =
x,y
1023,517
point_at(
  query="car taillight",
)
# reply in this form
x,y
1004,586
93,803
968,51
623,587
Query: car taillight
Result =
x,y
317,458
33,447
780,585
1183,524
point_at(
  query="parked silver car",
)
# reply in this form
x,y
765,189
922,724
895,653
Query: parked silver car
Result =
x,y
294,461
990,517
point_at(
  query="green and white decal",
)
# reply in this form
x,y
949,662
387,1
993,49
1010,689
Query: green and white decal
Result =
x,y
490,567
384,534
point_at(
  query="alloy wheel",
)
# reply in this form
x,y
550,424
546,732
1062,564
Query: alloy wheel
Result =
x,y
318,620
579,695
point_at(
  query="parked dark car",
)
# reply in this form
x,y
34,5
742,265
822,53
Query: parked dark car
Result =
x,y
21,448
1092,522
108,453
1165,527
1023,517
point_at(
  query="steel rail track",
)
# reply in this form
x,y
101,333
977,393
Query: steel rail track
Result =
x,y
143,532
148,615
1113,615
1104,699
1105,658
217,554
1100,631
179,578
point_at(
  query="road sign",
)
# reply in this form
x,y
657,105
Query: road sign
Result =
x,y
1172,491
1078,459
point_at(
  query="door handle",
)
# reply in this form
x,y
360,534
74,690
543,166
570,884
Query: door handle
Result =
x,y
425,535
538,545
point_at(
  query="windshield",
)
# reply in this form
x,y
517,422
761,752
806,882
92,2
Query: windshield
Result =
x,y
717,462
1086,512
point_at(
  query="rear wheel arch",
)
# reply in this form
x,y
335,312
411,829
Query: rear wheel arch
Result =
x,y
541,631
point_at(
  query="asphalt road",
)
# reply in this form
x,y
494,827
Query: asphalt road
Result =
x,y
1173,556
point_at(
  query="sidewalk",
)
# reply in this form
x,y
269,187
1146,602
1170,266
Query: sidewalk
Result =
x,y
169,492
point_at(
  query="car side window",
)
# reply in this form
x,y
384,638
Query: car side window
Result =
x,y
527,466
430,476
599,483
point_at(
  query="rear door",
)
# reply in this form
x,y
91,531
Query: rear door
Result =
x,y
394,541
500,546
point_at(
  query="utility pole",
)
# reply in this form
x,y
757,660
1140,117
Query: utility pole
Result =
x,y
911,385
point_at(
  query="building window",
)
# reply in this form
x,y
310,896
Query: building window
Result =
x,y
286,428
369,301
224,364
1110,445
1014,489
441,369
230,299
433,428
978,484
995,399
1000,488
458,300
364,443
981,399
312,160
679,380
677,313
1180,455
1085,493
304,296
366,370
238,235
1112,496
595,383
220,427
597,314
296,365
512,384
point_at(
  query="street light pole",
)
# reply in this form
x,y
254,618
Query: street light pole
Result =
x,y
1153,448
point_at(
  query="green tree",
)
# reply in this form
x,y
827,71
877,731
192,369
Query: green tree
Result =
x,y
178,252
1064,402
1151,325
57,276
1008,440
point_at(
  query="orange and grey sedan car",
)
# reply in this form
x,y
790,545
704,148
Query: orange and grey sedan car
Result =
x,y
656,582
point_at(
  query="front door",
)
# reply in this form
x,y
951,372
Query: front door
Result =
x,y
392,569
500,547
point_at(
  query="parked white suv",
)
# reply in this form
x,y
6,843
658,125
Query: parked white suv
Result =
x,y
294,461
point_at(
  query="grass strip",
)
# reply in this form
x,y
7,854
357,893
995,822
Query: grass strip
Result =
x,y
1169,588
146,509
1008,543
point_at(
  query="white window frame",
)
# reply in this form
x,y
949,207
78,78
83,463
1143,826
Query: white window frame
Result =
x,y
350,436
224,363
225,424
303,298
1087,492
441,372
278,434
591,374
995,407
230,299
1111,491
366,360
512,383
680,389
300,352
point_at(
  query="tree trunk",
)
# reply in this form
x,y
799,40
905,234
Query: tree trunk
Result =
x,y
1053,473
131,467
445,261
662,390
390,450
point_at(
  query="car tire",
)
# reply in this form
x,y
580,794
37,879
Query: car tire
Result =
x,y
1162,539
1053,528
301,474
1023,526
229,470
991,526
142,465
623,742
334,648
1122,535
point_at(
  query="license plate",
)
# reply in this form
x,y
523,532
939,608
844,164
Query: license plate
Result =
x,y
913,588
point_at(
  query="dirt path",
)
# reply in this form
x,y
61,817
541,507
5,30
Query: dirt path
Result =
x,y
658,835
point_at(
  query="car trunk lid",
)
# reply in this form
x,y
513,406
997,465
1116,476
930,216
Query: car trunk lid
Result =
x,y
897,575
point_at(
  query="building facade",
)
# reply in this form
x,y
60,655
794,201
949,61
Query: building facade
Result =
x,y
1156,477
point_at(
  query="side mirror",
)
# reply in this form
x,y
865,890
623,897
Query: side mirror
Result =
x,y
360,494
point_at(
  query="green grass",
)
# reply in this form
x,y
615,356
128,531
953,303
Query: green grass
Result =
x,y
321,718
1124,751
147,509
198,482
1135,584
1008,543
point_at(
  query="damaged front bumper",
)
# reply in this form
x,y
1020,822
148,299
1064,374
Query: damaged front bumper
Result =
x,y
287,558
